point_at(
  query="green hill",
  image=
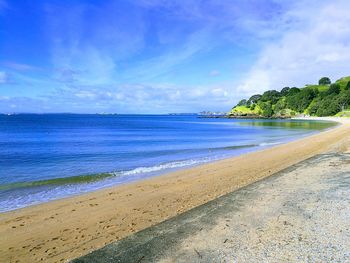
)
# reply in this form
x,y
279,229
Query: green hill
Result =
x,y
324,99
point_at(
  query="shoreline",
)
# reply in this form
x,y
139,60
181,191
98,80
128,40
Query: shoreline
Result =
x,y
70,227
52,189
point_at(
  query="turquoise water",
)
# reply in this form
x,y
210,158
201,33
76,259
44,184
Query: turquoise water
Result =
x,y
51,156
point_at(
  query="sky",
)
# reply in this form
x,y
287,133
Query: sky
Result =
x,y
164,56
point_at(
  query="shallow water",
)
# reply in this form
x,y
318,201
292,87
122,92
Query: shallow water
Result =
x,y
50,156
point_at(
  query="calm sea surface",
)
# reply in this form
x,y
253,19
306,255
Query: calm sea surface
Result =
x,y
51,156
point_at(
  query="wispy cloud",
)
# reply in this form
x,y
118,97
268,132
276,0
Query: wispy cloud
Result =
x,y
136,98
3,77
180,31
214,73
92,38
20,66
171,55
315,45
67,75
163,63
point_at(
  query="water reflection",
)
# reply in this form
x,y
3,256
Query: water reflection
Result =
x,y
290,124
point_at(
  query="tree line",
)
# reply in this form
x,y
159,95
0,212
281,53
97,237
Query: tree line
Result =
x,y
324,99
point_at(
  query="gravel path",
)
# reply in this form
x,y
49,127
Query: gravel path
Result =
x,y
301,214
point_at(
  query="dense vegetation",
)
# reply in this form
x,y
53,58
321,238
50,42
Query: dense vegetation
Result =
x,y
324,99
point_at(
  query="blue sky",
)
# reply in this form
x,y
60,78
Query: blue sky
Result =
x,y
159,56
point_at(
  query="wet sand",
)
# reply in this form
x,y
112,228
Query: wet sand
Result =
x,y
65,229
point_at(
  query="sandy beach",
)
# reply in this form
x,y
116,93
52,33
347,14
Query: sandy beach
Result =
x,y
300,214
65,229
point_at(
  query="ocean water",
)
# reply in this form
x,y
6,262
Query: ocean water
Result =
x,y
51,156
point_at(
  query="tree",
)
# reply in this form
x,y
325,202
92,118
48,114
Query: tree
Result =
x,y
328,107
280,105
324,81
315,100
285,91
313,107
301,100
271,95
347,87
293,91
254,99
292,102
242,103
334,89
343,99
266,108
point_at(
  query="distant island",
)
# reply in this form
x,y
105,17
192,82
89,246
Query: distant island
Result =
x,y
324,99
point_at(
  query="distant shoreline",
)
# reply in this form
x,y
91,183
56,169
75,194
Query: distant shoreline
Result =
x,y
76,225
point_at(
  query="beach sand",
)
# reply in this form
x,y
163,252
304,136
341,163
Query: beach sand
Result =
x,y
300,214
65,229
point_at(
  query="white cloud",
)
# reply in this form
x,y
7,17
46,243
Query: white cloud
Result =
x,y
137,98
3,77
218,92
93,48
114,36
20,66
214,73
316,44
99,52
164,62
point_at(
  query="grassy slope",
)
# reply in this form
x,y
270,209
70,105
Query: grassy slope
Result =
x,y
320,88
243,110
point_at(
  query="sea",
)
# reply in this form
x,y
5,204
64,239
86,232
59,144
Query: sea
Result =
x,y
44,157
